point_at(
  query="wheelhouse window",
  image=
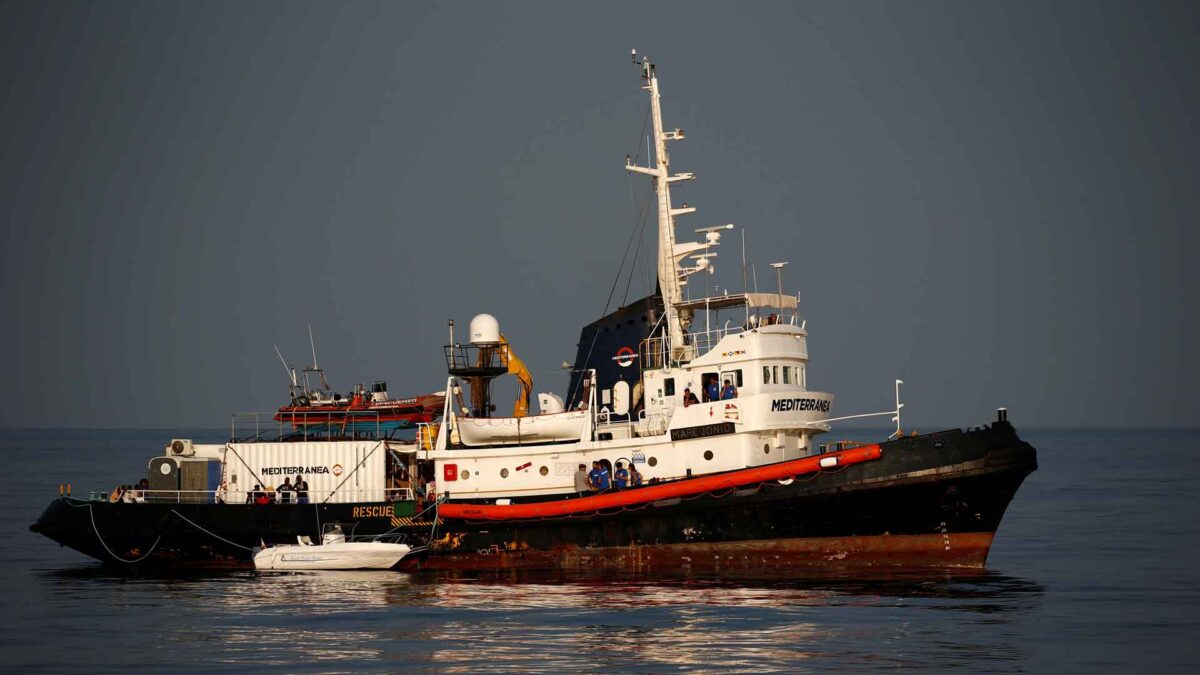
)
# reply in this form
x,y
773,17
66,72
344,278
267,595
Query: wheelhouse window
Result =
x,y
787,375
766,374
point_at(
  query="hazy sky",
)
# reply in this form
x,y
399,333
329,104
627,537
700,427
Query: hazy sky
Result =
x,y
996,202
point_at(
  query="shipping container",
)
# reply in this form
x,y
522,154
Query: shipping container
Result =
x,y
336,471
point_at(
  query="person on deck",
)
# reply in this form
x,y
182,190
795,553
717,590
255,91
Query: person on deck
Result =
x,y
688,397
301,489
728,391
263,495
635,476
621,476
711,391
598,476
582,484
286,491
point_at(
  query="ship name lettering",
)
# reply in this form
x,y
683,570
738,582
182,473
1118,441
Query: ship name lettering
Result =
x,y
289,470
801,404
705,431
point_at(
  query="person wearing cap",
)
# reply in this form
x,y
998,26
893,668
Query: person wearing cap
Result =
x,y
582,484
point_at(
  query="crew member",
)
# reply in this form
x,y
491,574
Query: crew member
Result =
x,y
598,477
286,491
582,484
728,391
621,476
301,488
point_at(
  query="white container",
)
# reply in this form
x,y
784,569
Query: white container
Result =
x,y
336,471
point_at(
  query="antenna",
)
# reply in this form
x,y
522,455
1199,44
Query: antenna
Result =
x,y
313,344
745,282
779,278
290,371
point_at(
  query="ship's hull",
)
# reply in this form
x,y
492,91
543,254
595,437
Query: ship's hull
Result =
x,y
929,501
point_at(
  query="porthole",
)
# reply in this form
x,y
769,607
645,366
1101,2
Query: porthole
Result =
x,y
544,471
766,448
708,454
653,461
465,474
504,473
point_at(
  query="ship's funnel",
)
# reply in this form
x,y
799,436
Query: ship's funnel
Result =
x,y
485,330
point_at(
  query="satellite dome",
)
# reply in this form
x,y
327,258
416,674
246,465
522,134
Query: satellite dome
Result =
x,y
485,330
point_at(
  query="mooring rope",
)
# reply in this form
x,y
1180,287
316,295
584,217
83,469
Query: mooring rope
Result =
x,y
92,516
211,534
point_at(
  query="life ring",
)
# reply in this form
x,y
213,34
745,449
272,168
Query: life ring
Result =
x,y
624,357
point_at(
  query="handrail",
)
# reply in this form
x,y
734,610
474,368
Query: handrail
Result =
x,y
306,425
237,497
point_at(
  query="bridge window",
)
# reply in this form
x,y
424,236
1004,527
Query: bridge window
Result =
x,y
766,374
774,374
787,375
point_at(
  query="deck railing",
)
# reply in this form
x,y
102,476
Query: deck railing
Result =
x,y
135,496
257,427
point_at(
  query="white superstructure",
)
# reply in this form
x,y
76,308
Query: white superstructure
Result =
x,y
651,424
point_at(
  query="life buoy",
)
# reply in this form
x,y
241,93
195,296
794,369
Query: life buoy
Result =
x,y
624,357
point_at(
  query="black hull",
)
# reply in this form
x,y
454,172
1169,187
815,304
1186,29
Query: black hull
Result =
x,y
931,501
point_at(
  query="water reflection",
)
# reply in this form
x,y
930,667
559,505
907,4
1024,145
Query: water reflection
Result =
x,y
555,622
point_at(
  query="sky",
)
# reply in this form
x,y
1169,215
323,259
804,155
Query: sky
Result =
x,y
995,202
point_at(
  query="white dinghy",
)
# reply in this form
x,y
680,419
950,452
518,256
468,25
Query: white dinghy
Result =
x,y
333,553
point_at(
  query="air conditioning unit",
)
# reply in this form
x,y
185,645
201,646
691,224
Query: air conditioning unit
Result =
x,y
181,447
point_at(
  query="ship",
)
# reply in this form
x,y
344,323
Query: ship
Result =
x,y
706,447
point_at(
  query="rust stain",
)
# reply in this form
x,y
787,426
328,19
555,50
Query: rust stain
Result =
x,y
966,550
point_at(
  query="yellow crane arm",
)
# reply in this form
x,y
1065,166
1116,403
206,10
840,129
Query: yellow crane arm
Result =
x,y
524,380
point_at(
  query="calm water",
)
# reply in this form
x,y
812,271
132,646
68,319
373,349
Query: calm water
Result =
x,y
1094,569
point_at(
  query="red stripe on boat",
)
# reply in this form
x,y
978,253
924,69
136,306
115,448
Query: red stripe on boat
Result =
x,y
652,493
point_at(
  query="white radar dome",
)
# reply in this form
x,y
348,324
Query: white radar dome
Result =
x,y
485,330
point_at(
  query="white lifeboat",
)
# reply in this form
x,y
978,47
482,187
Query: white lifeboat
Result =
x,y
554,427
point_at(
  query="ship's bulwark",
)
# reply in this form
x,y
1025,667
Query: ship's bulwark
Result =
x,y
929,501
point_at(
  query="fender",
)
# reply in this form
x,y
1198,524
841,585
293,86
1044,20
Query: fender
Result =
x,y
653,493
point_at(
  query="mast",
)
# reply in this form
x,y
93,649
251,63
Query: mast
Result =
x,y
669,275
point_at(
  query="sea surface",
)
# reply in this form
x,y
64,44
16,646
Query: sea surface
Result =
x,y
1096,568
